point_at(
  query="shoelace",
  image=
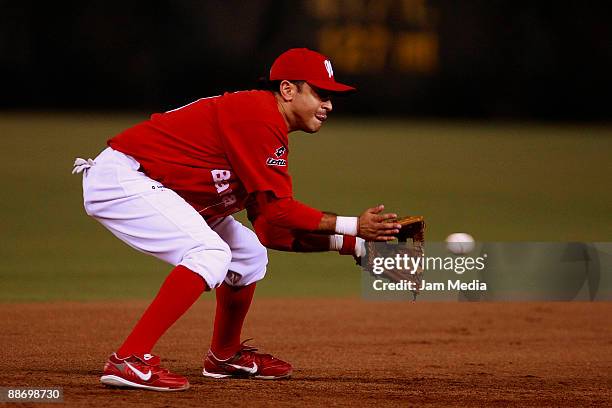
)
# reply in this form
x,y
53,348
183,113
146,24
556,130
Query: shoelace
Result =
x,y
250,349
244,348
81,165
155,369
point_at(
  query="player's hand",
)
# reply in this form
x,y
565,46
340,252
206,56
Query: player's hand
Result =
x,y
375,226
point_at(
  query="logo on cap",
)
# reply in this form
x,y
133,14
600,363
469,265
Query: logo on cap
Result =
x,y
307,65
328,67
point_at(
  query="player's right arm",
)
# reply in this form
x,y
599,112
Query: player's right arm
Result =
x,y
290,214
372,224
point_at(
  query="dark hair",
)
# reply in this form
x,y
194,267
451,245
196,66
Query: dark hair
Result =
x,y
265,84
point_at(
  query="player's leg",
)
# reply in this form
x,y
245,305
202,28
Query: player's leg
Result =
x,y
234,296
228,357
157,221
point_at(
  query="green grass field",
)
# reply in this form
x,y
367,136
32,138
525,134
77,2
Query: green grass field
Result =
x,y
498,182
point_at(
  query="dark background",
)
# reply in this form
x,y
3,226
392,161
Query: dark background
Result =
x,y
477,59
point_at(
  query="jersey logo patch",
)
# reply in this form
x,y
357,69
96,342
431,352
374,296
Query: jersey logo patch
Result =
x,y
280,151
276,162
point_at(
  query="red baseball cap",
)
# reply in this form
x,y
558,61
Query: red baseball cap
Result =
x,y
302,64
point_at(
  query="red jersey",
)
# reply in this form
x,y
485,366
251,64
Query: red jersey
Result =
x,y
215,151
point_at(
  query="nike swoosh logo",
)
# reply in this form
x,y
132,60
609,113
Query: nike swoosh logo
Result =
x,y
250,370
140,374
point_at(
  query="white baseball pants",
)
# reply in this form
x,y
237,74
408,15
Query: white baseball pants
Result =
x,y
155,220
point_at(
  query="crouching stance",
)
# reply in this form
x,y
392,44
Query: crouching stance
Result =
x,y
169,186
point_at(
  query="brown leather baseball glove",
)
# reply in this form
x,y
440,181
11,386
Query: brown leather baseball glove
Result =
x,y
411,243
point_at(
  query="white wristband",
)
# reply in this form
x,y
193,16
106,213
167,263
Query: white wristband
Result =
x,y
347,225
360,247
335,242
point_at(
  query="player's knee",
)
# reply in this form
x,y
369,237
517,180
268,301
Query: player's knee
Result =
x,y
250,271
260,262
261,257
256,275
211,262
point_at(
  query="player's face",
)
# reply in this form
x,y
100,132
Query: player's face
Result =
x,y
310,107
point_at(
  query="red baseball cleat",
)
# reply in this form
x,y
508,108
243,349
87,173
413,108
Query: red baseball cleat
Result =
x,y
141,371
246,363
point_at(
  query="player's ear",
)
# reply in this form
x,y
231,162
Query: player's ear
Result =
x,y
287,90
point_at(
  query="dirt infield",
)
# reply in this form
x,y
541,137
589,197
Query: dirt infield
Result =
x,y
345,352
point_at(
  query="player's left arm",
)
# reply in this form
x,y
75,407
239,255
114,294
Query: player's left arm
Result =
x,y
293,240
284,239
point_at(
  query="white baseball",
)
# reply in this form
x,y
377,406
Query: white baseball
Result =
x,y
460,243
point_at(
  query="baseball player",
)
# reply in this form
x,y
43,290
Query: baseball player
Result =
x,y
169,186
